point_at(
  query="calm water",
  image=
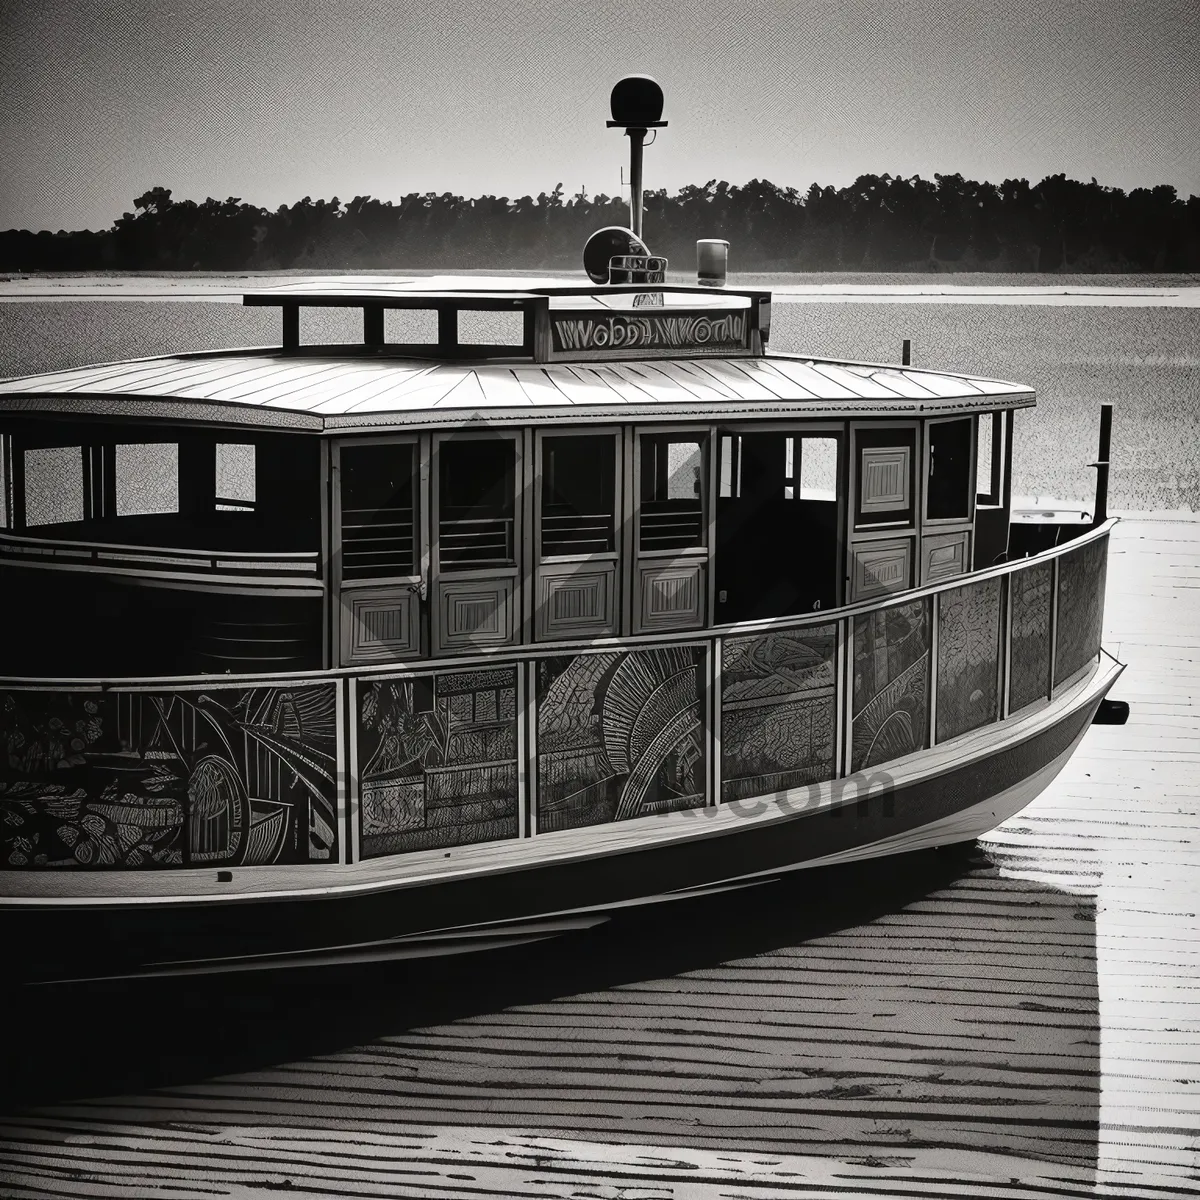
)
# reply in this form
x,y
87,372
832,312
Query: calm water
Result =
x,y
1143,358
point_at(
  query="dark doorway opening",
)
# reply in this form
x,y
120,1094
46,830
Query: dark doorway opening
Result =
x,y
777,525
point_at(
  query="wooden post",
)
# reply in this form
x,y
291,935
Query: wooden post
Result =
x,y
447,317
1101,465
291,326
373,324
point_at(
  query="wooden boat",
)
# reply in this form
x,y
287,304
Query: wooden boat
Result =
x,y
543,599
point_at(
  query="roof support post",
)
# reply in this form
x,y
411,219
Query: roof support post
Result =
x,y
447,317
291,326
373,324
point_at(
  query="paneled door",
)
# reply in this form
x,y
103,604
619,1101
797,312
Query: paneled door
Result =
x,y
377,567
578,527
885,507
475,481
671,558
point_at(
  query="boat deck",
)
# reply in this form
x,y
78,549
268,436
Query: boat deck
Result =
x,y
1025,1024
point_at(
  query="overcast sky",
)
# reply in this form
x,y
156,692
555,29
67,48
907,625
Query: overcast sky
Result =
x,y
270,100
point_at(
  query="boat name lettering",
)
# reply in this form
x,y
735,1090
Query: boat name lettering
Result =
x,y
649,332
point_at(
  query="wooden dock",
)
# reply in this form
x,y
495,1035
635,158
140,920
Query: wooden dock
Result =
x,y
1023,1022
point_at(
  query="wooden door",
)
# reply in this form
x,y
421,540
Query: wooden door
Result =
x,y
475,592
671,553
377,549
578,528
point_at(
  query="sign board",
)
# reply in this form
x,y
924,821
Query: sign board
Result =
x,y
589,334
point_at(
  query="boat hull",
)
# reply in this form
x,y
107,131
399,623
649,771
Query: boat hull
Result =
x,y
938,798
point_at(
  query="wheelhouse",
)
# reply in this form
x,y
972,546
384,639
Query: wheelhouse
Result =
x,y
558,463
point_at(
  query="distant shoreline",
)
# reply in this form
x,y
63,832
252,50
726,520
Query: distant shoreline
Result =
x,y
1072,290
736,278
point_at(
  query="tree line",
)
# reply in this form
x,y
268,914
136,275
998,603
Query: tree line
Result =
x,y
877,223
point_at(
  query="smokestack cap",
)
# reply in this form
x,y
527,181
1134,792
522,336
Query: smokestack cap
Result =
x,y
637,103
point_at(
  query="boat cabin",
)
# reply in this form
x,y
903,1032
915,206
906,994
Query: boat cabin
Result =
x,y
486,465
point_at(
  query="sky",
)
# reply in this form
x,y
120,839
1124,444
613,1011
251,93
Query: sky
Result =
x,y
272,100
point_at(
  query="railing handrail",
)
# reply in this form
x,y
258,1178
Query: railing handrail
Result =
x,y
484,657
134,548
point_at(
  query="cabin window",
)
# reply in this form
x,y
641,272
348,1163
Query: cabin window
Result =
x,y
378,508
818,458
483,327
989,459
672,494
147,478
884,495
331,326
476,502
410,326
948,486
578,495
797,466
54,485
236,483
731,467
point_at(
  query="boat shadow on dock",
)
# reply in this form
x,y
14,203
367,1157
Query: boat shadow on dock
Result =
x,y
919,1001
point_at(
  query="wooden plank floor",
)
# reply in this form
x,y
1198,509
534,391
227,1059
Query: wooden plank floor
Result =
x,y
1017,1020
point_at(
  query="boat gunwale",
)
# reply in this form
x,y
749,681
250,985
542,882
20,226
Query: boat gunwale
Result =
x,y
563,847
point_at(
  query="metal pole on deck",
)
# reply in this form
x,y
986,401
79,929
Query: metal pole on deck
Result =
x,y
637,141
1101,465
636,103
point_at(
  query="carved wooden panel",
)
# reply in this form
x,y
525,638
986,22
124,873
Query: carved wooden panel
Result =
x,y
778,711
945,555
890,708
576,601
885,473
880,567
1029,636
206,776
671,596
620,735
968,657
439,760
474,612
378,624
1081,578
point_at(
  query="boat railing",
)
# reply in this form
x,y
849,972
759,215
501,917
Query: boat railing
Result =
x,y
377,542
391,759
476,541
577,533
184,561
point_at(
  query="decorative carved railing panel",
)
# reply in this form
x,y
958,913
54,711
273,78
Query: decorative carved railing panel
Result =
x,y
220,776
1081,578
1029,640
778,711
438,757
968,657
620,734
891,684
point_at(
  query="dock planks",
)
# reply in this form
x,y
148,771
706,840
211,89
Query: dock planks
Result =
x,y
1021,1024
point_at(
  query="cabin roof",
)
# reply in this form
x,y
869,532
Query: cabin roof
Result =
x,y
344,387
350,291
